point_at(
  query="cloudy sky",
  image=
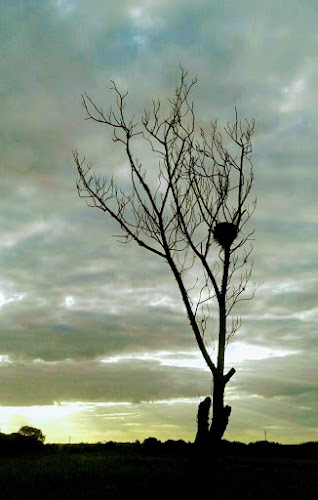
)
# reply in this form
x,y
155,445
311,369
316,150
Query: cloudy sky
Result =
x,y
94,341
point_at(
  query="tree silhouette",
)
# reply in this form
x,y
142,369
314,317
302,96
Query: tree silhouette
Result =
x,y
193,217
32,432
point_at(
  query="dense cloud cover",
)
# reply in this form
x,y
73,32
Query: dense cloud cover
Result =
x,y
86,319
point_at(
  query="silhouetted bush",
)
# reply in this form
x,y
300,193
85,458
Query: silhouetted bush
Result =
x,y
175,446
232,447
110,445
152,444
263,448
17,443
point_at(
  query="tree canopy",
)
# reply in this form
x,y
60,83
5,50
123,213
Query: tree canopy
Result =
x,y
32,432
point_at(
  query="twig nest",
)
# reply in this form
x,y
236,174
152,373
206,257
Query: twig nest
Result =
x,y
225,233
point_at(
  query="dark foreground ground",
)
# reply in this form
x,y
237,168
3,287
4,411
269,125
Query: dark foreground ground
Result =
x,y
118,472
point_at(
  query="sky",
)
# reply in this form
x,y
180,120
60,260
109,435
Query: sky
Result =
x,y
94,341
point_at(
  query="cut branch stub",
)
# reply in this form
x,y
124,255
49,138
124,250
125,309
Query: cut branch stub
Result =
x,y
225,233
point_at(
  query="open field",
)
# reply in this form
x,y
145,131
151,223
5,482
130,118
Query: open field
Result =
x,y
86,472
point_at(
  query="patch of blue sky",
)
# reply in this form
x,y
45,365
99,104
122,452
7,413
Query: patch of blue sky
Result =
x,y
21,10
185,31
117,49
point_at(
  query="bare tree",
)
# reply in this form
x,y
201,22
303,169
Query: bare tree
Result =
x,y
193,217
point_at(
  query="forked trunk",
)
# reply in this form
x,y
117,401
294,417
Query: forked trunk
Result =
x,y
220,413
207,437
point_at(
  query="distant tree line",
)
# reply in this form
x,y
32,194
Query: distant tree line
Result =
x,y
29,439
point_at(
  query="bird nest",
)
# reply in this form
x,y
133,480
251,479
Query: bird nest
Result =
x,y
225,233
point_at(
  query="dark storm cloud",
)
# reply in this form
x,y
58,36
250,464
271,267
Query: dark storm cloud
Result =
x,y
135,381
85,335
289,334
292,375
283,391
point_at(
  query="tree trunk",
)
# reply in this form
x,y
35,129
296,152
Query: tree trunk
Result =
x,y
221,413
211,437
208,438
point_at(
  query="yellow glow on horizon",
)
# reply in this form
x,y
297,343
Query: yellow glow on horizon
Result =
x,y
45,417
57,421
89,422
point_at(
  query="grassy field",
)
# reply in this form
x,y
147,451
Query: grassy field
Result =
x,y
131,473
